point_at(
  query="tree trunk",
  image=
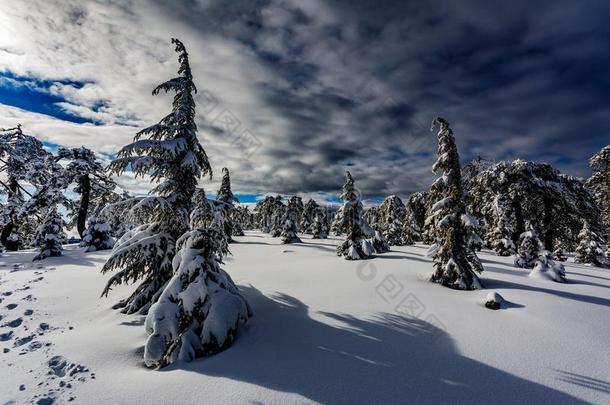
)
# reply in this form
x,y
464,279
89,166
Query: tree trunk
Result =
x,y
520,222
10,245
83,209
548,224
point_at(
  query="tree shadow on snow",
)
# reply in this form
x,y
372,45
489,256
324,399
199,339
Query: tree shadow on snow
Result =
x,y
584,381
319,246
569,271
583,282
386,359
134,322
247,242
491,283
516,271
407,256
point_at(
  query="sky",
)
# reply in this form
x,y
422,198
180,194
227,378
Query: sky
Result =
x,y
293,93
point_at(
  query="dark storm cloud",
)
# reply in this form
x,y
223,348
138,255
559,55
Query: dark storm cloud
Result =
x,y
515,79
355,84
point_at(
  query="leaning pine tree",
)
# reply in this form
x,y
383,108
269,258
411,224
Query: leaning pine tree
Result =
x,y
455,264
174,158
200,309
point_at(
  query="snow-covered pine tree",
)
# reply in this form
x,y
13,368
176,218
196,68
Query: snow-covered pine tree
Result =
x,y
390,214
174,158
296,203
326,218
91,181
201,309
23,160
589,249
225,196
455,264
43,203
394,233
506,195
318,228
97,235
201,215
559,253
529,249
372,217
289,231
416,209
236,221
209,214
119,215
310,210
358,244
380,245
502,241
264,214
50,235
471,224
278,213
409,233
243,217
599,182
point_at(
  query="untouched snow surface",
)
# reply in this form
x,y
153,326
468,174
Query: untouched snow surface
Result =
x,y
324,330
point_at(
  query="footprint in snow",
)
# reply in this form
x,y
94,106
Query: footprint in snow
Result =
x,y
11,306
22,341
33,346
28,312
68,374
6,336
14,323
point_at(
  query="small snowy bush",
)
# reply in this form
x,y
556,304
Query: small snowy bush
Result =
x,y
97,236
50,236
200,309
380,245
289,232
529,249
547,268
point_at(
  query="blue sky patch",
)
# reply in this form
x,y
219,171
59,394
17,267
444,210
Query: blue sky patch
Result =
x,y
32,94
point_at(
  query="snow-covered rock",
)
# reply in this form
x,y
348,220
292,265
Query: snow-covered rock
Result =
x,y
493,300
